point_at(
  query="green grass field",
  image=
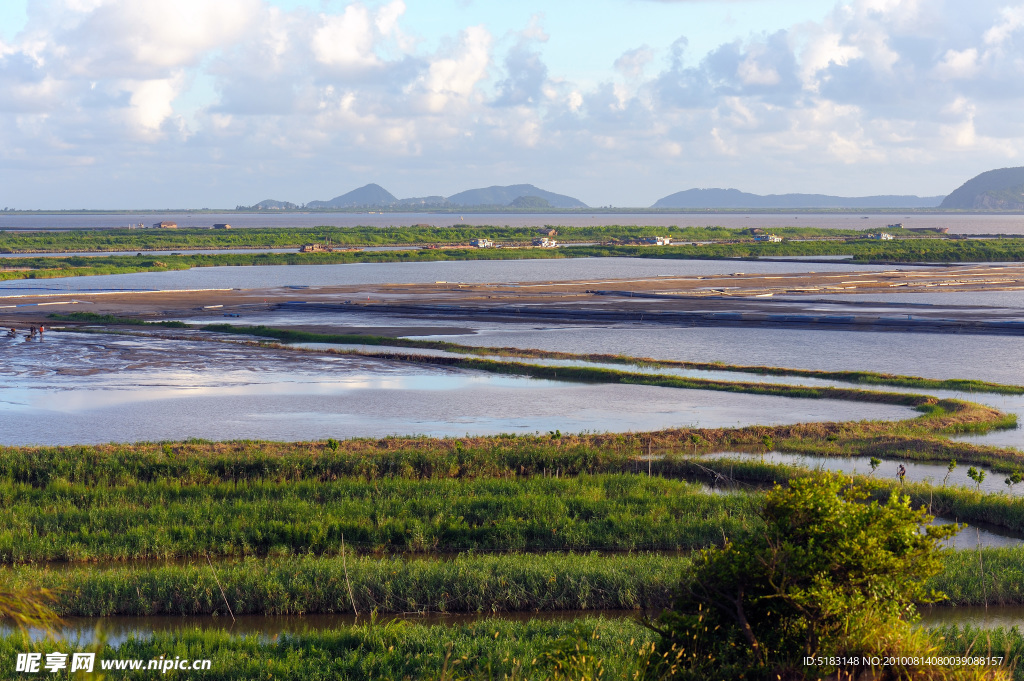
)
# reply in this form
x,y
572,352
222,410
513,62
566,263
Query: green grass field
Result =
x,y
861,250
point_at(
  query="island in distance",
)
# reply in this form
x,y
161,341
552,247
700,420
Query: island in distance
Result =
x,y
522,196
998,190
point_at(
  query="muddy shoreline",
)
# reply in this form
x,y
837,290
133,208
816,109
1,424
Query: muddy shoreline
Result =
x,y
793,300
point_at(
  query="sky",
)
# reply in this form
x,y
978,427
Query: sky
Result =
x,y
192,104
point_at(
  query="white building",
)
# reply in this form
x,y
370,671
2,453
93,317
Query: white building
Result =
x,y
482,243
772,238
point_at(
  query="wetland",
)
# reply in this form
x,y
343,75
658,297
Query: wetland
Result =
x,y
282,452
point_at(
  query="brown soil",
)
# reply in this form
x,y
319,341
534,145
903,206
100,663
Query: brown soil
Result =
x,y
754,293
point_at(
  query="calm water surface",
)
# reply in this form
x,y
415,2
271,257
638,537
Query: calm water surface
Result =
x,y
89,389
917,471
992,358
115,630
597,270
958,224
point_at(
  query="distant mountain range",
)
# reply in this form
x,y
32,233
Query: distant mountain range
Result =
x,y
1001,189
734,198
523,196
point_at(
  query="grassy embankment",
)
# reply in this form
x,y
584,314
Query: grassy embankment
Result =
x,y
862,250
467,583
304,583
166,519
491,649
282,237
277,498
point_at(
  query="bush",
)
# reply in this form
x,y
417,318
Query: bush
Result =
x,y
827,575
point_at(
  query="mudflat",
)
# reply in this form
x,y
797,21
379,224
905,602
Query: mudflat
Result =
x,y
796,298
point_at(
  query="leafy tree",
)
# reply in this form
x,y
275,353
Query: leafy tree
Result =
x,y
949,469
978,475
827,574
27,608
1014,478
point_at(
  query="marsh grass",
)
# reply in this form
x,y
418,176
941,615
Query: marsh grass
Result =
x,y
862,250
467,583
489,649
76,522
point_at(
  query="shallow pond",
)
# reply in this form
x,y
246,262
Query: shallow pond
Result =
x,y
990,617
916,471
597,270
73,388
115,630
990,358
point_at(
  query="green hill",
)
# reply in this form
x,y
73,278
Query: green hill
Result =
x,y
369,196
504,196
1001,189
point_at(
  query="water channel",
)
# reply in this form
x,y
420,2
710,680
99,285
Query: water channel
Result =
x,y
83,631
956,223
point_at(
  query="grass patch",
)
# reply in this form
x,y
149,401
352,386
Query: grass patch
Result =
x,y
75,522
489,649
467,583
861,250
93,318
305,585
288,237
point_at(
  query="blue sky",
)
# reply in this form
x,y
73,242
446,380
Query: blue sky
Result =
x,y
116,103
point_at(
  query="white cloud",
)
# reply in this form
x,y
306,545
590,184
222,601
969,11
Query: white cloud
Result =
x,y
455,76
129,38
631,64
151,102
884,88
959,64
1011,20
348,40
753,73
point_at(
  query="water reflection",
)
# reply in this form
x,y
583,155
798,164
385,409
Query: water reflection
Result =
x,y
91,389
466,271
916,471
985,617
989,358
115,630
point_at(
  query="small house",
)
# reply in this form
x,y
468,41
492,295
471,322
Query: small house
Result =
x,y
166,225
481,243
770,238
544,242
881,236
312,248
656,240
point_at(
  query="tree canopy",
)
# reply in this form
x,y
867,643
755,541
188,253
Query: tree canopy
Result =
x,y
828,574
